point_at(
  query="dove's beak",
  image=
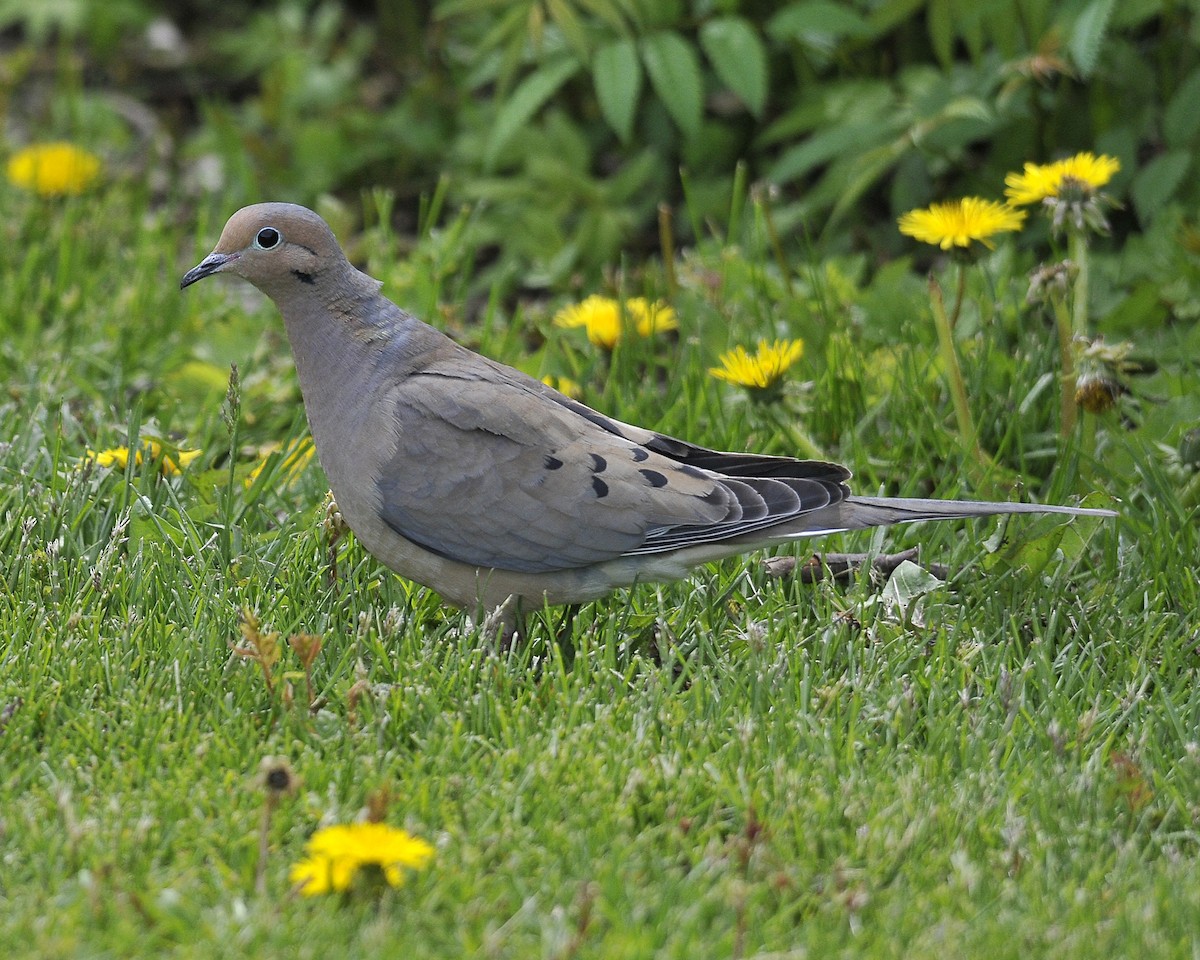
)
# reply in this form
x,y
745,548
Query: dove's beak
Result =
x,y
211,264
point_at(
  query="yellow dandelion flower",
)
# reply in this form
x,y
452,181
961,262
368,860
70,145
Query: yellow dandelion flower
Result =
x,y
337,854
959,222
602,318
170,461
651,318
761,371
174,461
564,385
599,316
1084,172
53,169
113,457
293,462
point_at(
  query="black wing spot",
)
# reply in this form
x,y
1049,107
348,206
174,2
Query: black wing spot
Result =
x,y
639,454
654,478
551,463
600,487
692,471
304,277
598,463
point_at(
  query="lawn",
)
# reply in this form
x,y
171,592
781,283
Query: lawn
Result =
x,y
743,764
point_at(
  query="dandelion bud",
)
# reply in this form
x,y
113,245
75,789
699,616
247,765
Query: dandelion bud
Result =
x,y
1097,392
276,776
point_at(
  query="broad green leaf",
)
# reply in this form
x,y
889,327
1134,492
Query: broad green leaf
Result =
x,y
529,96
908,583
802,119
617,75
737,54
1181,119
871,166
1078,534
652,14
634,176
610,11
1003,29
1032,544
1157,181
821,148
941,21
571,26
892,13
968,24
846,102
815,19
1087,35
454,8
674,71
1028,545
1142,309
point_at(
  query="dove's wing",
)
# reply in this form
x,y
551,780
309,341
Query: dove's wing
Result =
x,y
495,469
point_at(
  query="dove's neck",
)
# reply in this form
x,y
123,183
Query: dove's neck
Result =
x,y
351,345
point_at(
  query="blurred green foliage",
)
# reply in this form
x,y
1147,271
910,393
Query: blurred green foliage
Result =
x,y
566,122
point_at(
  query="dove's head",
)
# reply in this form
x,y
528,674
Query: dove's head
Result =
x,y
278,247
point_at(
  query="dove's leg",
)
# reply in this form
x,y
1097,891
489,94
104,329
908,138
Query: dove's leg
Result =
x,y
562,634
504,624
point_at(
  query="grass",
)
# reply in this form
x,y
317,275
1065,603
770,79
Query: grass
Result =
x,y
732,766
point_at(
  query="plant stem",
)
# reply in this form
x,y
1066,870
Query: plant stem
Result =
x,y
264,844
1077,250
231,412
958,389
800,443
666,242
762,200
738,201
1068,411
959,294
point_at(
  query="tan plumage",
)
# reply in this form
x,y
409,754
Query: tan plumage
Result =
x,y
483,483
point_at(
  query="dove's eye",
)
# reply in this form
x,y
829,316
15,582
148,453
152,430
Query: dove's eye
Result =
x,y
267,238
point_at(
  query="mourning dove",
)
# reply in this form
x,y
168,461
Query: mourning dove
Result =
x,y
490,487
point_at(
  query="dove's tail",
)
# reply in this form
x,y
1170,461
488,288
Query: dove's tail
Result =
x,y
856,513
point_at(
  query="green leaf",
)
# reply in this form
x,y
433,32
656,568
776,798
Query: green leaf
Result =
x,y
674,71
1143,309
1035,555
908,583
1032,544
611,12
1087,35
1005,31
571,26
890,14
1156,182
529,96
820,148
617,75
968,22
1078,534
737,54
940,19
817,21
1028,546
1181,119
869,169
